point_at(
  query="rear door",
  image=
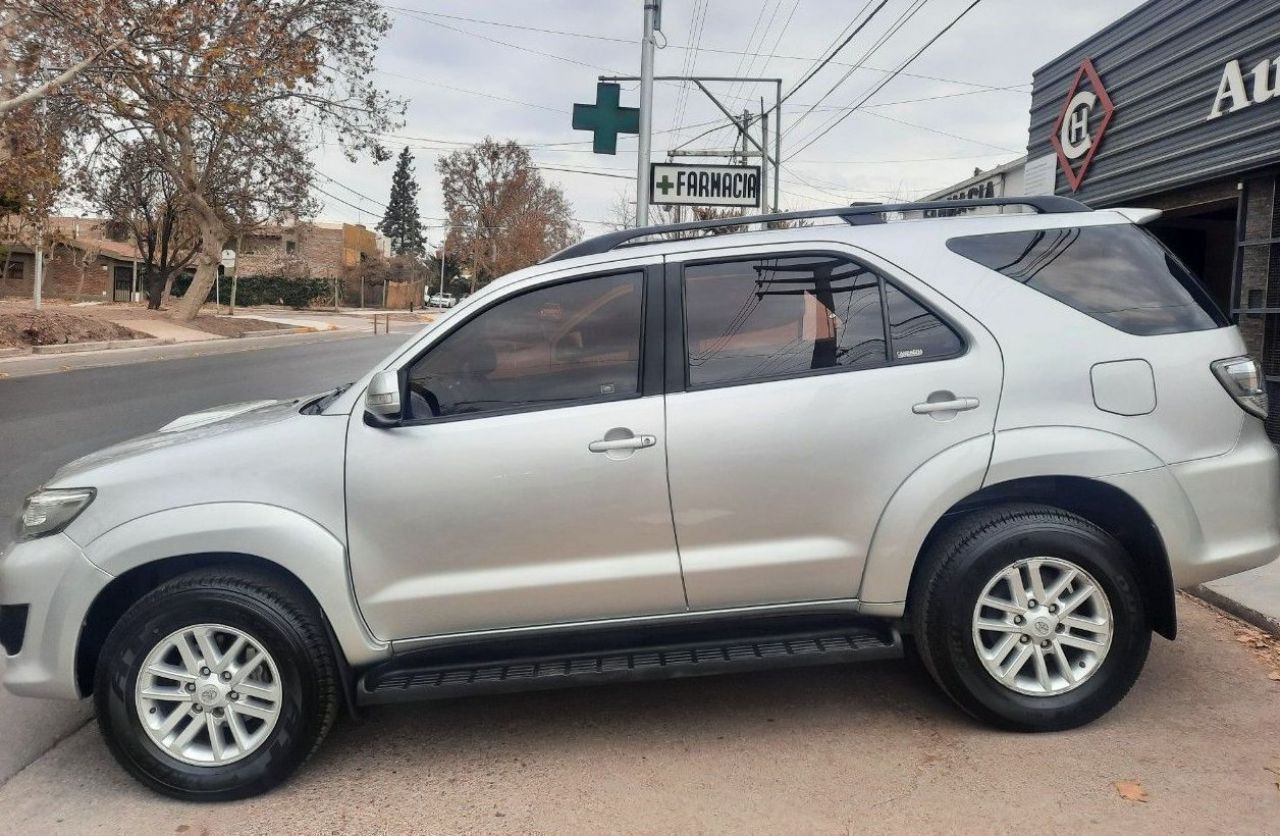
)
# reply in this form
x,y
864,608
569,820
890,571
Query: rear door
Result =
x,y
804,386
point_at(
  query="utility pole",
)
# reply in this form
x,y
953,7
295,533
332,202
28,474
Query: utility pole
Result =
x,y
764,161
652,23
235,272
39,278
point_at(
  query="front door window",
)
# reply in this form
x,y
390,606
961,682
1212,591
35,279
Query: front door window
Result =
x,y
559,345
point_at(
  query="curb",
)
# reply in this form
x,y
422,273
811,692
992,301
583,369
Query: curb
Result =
x,y
100,345
1241,611
14,352
280,332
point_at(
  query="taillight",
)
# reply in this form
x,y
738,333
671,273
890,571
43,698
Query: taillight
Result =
x,y
1242,379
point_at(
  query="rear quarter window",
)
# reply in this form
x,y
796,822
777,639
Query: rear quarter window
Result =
x,y
1118,274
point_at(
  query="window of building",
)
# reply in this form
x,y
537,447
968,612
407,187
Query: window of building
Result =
x,y
13,272
1118,274
772,317
568,343
290,247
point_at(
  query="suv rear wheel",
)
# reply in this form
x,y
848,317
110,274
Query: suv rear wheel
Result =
x,y
216,685
1030,618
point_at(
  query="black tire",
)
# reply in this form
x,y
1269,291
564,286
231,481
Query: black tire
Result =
x,y
955,570
285,624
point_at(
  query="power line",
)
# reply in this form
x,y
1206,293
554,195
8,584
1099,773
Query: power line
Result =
x,y
696,47
817,68
888,78
774,51
893,29
866,112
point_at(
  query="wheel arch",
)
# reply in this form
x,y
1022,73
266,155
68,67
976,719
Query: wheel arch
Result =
x,y
115,599
1099,502
281,543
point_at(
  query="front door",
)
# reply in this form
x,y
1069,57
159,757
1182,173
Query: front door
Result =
x,y
122,284
812,387
528,484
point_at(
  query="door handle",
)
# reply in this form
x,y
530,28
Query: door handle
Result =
x,y
635,442
953,405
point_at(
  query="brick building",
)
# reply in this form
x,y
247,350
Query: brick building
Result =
x,y
83,262
315,249
76,268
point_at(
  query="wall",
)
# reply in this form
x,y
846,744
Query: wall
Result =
x,y
321,250
62,277
1162,66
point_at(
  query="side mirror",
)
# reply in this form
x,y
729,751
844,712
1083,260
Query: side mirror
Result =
x,y
382,399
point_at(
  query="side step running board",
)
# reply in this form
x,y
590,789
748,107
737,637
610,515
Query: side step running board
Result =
x,y
389,683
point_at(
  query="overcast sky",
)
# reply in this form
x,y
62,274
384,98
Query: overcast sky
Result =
x,y
465,79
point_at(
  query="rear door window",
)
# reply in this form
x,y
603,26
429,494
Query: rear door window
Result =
x,y
1118,274
764,318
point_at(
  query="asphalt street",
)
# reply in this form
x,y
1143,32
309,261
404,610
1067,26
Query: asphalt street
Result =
x,y
49,419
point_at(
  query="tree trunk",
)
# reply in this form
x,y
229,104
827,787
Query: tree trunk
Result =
x,y
84,266
156,288
166,292
212,235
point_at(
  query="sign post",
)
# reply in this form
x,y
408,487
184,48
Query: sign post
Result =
x,y
652,12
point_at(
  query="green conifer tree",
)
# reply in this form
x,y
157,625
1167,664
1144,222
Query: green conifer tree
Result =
x,y
401,222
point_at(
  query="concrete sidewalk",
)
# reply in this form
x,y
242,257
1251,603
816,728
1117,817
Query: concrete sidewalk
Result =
x,y
1250,596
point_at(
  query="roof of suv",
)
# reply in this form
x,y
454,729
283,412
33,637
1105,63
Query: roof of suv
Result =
x,y
865,226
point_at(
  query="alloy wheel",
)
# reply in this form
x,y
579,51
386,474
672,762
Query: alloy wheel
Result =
x,y
1042,626
208,695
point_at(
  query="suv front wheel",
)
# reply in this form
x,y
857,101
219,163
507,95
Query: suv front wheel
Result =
x,y
1030,618
216,685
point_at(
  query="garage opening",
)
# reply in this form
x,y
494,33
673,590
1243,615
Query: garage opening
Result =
x,y
1204,237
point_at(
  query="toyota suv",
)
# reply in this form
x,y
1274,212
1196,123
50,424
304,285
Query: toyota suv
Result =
x,y
998,442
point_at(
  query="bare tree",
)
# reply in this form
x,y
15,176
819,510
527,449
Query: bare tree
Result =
x,y
49,45
502,215
229,100
143,203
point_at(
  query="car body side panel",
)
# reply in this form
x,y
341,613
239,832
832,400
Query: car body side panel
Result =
x,y
917,504
278,535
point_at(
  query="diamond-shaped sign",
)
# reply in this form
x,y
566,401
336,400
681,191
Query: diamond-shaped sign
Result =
x,y
1084,118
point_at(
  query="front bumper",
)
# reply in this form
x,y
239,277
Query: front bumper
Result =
x,y
56,583
1218,516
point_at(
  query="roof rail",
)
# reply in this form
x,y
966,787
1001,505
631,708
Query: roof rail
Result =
x,y
855,215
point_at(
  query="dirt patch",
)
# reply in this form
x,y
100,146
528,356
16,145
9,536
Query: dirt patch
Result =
x,y
232,326
223,326
53,327
1265,647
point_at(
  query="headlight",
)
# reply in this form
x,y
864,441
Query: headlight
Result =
x,y
50,511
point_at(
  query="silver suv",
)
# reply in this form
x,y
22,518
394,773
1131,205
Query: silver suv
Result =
x,y
999,442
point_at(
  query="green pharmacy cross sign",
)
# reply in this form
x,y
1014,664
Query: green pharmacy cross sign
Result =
x,y
605,119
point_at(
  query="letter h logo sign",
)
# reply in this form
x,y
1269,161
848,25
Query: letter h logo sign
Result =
x,y
1075,137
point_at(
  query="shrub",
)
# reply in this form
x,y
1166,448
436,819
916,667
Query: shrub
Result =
x,y
267,290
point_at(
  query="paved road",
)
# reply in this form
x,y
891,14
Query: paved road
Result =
x,y
49,419
870,748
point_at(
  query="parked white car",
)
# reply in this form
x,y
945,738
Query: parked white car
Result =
x,y
1003,441
442,300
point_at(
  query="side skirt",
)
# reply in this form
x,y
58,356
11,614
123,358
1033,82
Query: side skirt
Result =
x,y
627,657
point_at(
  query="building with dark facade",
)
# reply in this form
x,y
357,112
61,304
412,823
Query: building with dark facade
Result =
x,y
1176,106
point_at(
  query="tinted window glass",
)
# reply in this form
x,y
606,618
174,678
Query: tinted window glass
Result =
x,y
915,333
576,341
762,318
1118,274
